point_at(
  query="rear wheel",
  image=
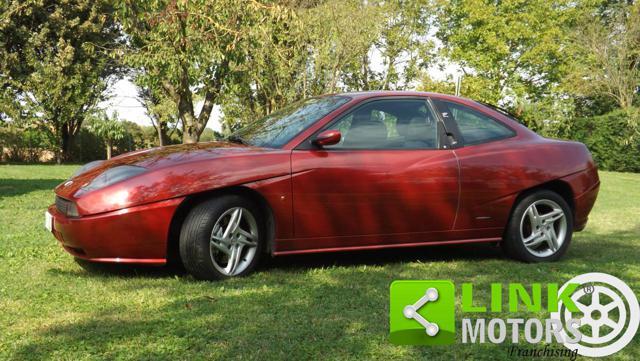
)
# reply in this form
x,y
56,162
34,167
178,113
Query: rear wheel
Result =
x,y
221,238
540,228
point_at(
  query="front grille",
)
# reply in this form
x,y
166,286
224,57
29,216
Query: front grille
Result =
x,y
63,205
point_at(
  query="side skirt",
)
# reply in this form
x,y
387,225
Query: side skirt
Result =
x,y
383,246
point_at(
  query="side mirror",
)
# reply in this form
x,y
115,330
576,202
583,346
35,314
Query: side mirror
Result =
x,y
328,137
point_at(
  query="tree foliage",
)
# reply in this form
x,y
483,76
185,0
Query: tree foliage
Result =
x,y
317,48
189,49
55,61
109,129
548,61
606,54
515,47
162,112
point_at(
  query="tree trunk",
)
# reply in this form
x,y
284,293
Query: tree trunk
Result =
x,y
192,126
108,150
160,138
161,129
163,138
66,144
186,113
190,132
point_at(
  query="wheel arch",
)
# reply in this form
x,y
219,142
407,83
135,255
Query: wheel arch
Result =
x,y
563,189
173,253
560,187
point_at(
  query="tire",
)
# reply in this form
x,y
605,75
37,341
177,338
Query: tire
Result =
x,y
205,250
537,217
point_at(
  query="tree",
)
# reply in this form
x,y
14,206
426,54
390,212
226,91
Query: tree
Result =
x,y
162,112
55,62
318,48
471,86
189,49
209,135
606,54
402,44
515,47
110,129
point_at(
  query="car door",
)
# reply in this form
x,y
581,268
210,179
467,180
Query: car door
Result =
x,y
387,181
490,170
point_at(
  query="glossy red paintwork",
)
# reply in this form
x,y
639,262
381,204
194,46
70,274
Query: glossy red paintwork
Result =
x,y
137,234
328,200
328,137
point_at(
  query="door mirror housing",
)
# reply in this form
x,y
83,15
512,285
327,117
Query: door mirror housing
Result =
x,y
328,137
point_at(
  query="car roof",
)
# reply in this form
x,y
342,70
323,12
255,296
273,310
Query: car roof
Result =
x,y
485,108
390,93
380,93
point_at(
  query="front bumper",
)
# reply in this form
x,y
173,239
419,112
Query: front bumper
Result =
x,y
131,235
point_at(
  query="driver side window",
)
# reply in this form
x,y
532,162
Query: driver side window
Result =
x,y
388,124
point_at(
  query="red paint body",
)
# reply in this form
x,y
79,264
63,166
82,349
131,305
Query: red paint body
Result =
x,y
329,200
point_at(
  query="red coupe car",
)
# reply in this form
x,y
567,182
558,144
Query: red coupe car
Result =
x,y
333,173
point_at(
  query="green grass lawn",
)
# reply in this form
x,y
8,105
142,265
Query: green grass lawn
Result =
x,y
331,306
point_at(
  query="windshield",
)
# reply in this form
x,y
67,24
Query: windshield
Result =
x,y
276,129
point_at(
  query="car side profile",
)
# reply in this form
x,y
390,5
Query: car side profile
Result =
x,y
338,172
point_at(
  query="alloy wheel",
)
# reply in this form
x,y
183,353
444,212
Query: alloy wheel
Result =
x,y
543,228
234,241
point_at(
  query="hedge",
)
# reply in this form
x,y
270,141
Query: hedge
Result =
x,y
612,138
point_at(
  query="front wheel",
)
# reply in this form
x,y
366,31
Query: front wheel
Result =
x,y
221,238
540,228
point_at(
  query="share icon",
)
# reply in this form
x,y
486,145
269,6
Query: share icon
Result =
x,y
411,311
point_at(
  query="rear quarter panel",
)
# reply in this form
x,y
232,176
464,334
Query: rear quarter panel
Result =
x,y
494,174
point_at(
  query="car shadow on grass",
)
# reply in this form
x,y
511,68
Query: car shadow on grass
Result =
x,y
301,262
105,270
586,248
12,187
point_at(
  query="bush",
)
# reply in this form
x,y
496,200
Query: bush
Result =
x,y
87,146
90,146
23,145
612,138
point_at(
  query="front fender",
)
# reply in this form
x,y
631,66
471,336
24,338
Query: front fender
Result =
x,y
183,179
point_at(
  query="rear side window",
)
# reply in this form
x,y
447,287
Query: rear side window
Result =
x,y
475,127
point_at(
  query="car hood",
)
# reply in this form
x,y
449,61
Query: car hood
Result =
x,y
173,158
160,157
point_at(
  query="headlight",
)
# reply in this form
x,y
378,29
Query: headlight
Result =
x,y
66,207
111,176
85,168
